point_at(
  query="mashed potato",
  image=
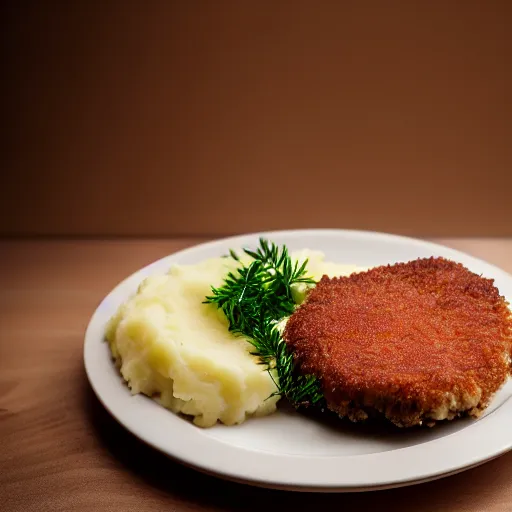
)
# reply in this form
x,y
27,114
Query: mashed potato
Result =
x,y
172,347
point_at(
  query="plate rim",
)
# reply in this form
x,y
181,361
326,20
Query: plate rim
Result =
x,y
267,469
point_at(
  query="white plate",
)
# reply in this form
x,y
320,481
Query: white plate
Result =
x,y
288,450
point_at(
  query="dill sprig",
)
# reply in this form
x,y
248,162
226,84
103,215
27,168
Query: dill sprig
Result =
x,y
254,298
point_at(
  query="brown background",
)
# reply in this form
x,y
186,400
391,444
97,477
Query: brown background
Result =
x,y
179,118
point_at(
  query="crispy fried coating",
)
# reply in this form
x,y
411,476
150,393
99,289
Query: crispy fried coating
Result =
x,y
416,342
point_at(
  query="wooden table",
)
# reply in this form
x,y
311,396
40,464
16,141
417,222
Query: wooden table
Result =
x,y
61,451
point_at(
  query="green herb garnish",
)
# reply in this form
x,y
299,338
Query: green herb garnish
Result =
x,y
254,298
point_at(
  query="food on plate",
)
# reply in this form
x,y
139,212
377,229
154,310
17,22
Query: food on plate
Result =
x,y
224,339
416,342
171,345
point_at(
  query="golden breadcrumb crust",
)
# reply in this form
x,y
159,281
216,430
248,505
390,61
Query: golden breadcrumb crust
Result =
x,y
418,342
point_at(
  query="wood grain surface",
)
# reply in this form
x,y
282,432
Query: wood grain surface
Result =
x,y
61,451
180,118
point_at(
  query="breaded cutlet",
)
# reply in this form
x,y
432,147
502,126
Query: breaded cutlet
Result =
x,y
417,342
